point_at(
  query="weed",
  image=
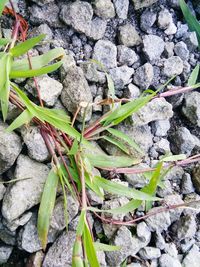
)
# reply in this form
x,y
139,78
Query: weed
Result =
x,y
77,175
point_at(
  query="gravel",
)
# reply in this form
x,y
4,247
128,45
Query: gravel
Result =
x,y
128,35
144,76
153,47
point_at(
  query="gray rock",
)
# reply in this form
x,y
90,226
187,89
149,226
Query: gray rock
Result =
x,y
144,76
7,236
10,147
137,180
183,142
129,246
182,30
76,90
101,258
158,222
106,53
132,91
97,29
153,47
160,128
165,21
42,2
149,253
45,44
192,259
121,76
159,241
165,190
169,49
196,178
45,14
109,229
5,252
174,174
60,253
143,232
145,3
173,66
68,62
22,220
126,56
162,146
78,15
185,228
104,9
191,107
128,35
174,199
181,50
147,20
195,199
92,74
35,144
187,185
24,194
166,260
191,41
121,8
170,248
157,109
50,89
2,191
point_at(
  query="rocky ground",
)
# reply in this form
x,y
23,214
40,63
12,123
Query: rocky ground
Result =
x,y
142,44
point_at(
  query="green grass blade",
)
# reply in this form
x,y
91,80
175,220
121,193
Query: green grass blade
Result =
x,y
47,206
24,118
194,76
124,111
34,73
74,148
117,143
4,41
38,62
125,138
173,158
24,47
89,247
105,161
104,247
192,21
2,5
121,190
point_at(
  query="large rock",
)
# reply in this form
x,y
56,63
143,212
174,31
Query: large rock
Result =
x,y
183,142
157,109
192,259
196,178
26,193
143,3
76,90
166,260
144,76
35,144
153,46
121,7
49,88
5,252
121,76
191,108
126,56
105,52
78,15
10,147
60,253
158,222
173,66
128,35
104,9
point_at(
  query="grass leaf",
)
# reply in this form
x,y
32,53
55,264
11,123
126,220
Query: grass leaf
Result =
x,y
24,47
4,41
74,148
104,247
47,206
116,143
122,190
24,118
124,111
194,76
38,62
105,161
125,138
89,247
36,72
192,21
2,5
173,158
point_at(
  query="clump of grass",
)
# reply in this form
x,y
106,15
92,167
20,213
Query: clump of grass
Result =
x,y
77,175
